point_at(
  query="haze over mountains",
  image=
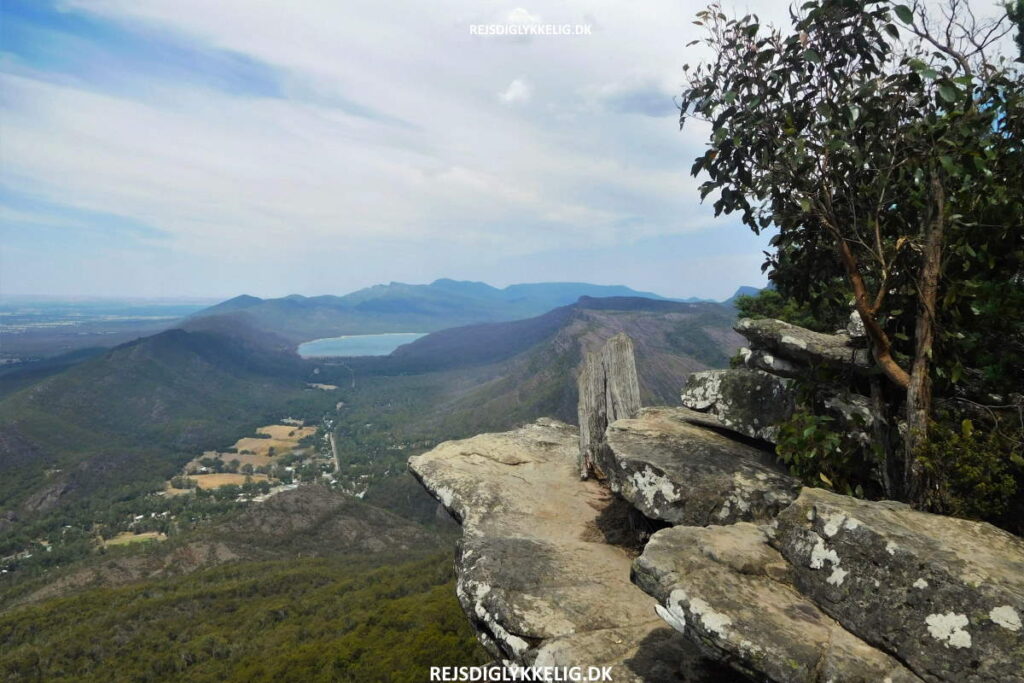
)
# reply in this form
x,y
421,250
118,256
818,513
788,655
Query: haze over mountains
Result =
x,y
400,307
32,330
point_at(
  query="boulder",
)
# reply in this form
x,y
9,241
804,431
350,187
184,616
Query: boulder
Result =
x,y
609,390
727,590
537,576
944,595
750,402
757,359
679,472
802,346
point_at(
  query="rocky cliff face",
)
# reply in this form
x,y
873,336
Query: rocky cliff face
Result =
x,y
747,574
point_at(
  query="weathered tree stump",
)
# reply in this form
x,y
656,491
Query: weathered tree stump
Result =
x,y
609,390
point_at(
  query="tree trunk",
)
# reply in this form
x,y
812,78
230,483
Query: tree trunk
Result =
x,y
919,391
881,345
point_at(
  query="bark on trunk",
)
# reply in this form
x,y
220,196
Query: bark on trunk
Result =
x,y
881,346
919,391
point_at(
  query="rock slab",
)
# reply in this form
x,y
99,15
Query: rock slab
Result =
x,y
680,472
535,574
728,590
802,346
749,402
944,595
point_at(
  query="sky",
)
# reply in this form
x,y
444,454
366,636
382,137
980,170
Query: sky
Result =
x,y
167,148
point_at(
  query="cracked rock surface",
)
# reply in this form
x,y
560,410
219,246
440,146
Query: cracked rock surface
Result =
x,y
802,346
728,590
536,575
751,402
676,470
944,595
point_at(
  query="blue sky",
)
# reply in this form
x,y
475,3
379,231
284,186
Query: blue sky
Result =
x,y
196,148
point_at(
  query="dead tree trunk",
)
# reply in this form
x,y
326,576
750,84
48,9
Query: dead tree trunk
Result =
x,y
609,390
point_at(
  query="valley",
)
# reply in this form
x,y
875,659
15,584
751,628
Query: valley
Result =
x,y
208,451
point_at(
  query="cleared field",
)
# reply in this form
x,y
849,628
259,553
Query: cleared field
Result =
x,y
287,432
212,481
171,491
282,439
126,537
259,447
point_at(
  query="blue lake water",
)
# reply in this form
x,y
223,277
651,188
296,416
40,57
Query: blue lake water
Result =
x,y
357,345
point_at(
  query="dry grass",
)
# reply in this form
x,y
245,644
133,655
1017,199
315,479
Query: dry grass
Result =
x,y
126,537
212,481
283,438
287,432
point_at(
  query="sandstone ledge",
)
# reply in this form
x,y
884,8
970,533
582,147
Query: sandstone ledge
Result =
x,y
802,346
535,574
729,591
672,468
945,595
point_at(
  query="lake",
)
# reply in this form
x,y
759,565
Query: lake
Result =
x,y
357,345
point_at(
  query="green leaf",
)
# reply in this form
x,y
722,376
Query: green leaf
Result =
x,y
904,14
812,56
949,92
828,482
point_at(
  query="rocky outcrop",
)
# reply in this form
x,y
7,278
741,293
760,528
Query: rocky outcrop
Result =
x,y
673,470
945,595
609,390
799,347
750,402
536,573
731,592
776,581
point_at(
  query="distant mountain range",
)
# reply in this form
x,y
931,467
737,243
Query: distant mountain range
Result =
x,y
399,307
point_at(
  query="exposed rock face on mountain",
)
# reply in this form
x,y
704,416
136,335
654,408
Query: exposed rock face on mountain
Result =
x,y
751,402
681,473
776,581
537,575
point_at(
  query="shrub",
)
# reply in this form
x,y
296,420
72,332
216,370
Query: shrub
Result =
x,y
975,473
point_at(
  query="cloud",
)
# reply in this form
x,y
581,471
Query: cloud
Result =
x,y
517,91
270,147
522,16
636,95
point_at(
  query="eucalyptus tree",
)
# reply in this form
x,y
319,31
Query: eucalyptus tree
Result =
x,y
883,142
